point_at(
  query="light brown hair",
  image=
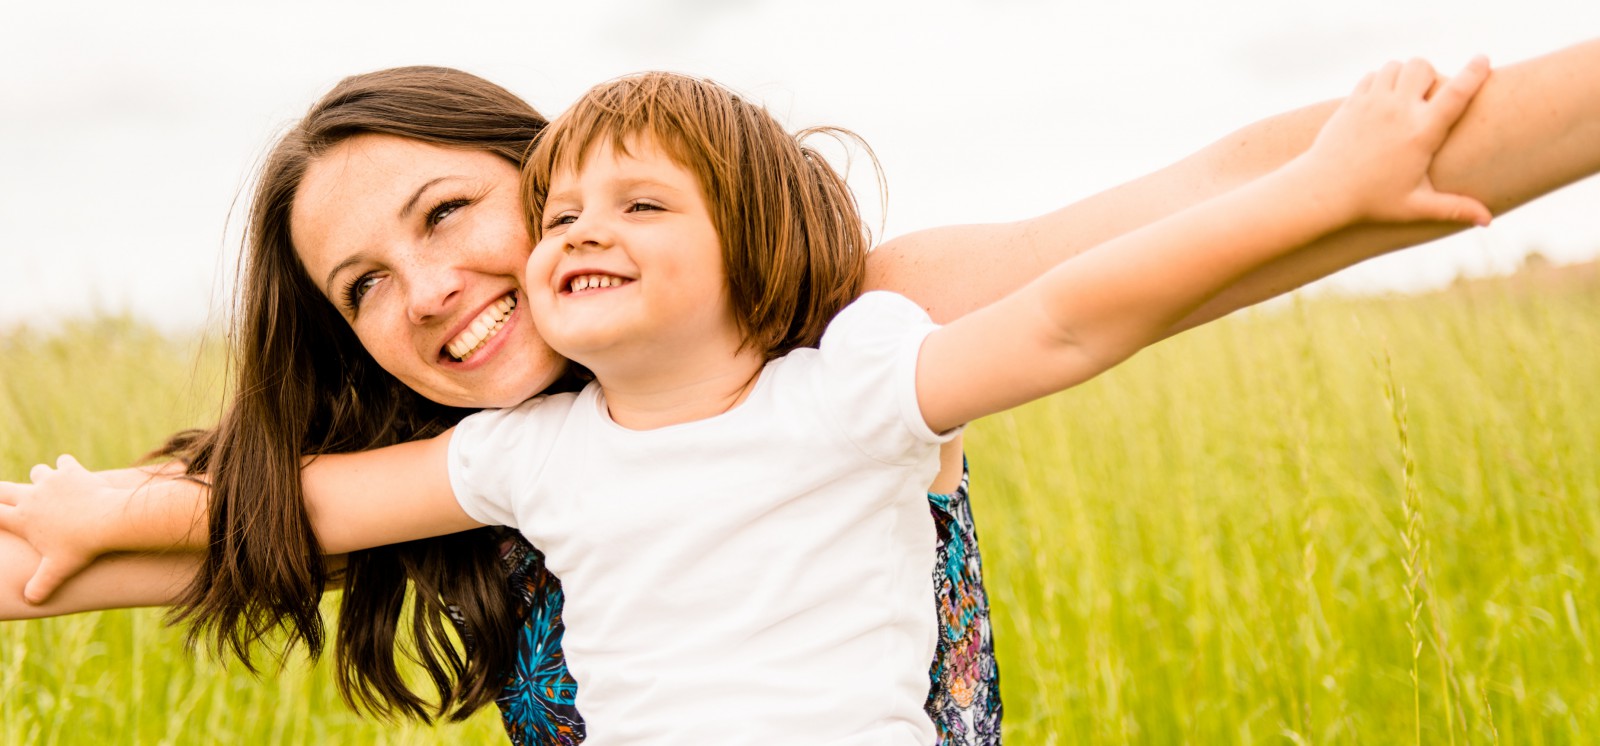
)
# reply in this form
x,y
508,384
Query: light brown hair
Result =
x,y
304,385
792,237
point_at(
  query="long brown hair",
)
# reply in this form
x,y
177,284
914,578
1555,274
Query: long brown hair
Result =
x,y
303,385
793,242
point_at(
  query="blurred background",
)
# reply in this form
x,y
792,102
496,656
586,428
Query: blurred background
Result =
x,y
130,131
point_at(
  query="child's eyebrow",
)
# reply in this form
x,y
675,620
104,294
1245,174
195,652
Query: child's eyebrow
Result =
x,y
570,193
645,181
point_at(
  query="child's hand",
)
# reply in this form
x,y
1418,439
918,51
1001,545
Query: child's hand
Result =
x,y
57,514
1377,148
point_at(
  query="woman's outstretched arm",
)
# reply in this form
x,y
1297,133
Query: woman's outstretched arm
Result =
x,y
116,581
153,522
69,516
1534,127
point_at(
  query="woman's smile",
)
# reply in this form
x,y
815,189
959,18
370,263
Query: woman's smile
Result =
x,y
429,243
481,329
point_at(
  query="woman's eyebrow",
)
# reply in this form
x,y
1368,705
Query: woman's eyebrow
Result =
x,y
327,284
411,204
405,212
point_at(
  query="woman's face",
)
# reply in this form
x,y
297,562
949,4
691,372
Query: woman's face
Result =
x,y
421,249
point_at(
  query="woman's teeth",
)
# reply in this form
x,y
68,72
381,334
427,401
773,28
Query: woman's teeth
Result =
x,y
585,282
481,328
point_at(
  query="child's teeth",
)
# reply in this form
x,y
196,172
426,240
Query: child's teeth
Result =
x,y
587,282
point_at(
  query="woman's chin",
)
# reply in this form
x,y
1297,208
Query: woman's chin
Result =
x,y
507,383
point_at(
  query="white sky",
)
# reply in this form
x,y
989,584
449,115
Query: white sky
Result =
x,y
130,129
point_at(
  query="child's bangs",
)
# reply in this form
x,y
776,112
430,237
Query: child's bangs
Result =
x,y
675,114
660,109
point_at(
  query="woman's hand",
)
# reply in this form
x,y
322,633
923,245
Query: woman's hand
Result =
x,y
1372,157
68,514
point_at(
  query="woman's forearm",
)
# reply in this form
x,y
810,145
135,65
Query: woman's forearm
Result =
x,y
113,582
57,526
1534,127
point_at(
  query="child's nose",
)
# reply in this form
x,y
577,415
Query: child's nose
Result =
x,y
589,231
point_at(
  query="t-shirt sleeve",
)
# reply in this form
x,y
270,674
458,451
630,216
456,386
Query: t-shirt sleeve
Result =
x,y
496,456
869,376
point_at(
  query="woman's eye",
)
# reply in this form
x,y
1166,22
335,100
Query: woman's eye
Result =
x,y
444,209
356,289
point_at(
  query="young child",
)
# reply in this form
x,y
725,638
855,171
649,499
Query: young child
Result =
x,y
689,255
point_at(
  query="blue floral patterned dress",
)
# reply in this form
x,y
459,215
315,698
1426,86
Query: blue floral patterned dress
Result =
x,y
537,702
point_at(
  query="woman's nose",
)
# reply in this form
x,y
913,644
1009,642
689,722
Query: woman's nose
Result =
x,y
431,294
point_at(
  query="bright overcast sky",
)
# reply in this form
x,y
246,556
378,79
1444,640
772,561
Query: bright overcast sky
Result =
x,y
129,130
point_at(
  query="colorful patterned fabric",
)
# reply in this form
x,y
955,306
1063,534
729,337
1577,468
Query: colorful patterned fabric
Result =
x,y
964,699
537,704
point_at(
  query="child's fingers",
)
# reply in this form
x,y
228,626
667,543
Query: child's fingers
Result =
x,y
46,579
1416,77
39,472
1365,84
1384,79
1452,98
1453,208
8,493
65,461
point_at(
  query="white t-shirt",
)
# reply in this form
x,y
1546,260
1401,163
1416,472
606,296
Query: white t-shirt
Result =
x,y
760,577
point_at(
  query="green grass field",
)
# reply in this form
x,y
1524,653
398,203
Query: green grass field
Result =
x,y
1341,521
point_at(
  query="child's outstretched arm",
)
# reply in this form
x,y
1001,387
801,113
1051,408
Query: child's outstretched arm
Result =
x,y
1370,162
1534,127
71,516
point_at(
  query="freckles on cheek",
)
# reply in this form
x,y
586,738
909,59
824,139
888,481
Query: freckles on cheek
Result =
x,y
385,350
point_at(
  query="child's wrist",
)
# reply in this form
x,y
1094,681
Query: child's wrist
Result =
x,y
107,524
1322,189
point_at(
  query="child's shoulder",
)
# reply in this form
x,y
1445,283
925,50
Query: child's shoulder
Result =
x,y
872,315
544,410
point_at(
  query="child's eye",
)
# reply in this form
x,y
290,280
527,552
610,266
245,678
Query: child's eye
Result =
x,y
565,218
641,206
444,209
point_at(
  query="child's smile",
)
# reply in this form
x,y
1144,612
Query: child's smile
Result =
x,y
582,282
632,266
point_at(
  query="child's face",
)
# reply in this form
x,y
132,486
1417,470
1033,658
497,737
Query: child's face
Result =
x,y
629,271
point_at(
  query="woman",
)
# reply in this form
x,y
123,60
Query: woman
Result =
x,y
1557,146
